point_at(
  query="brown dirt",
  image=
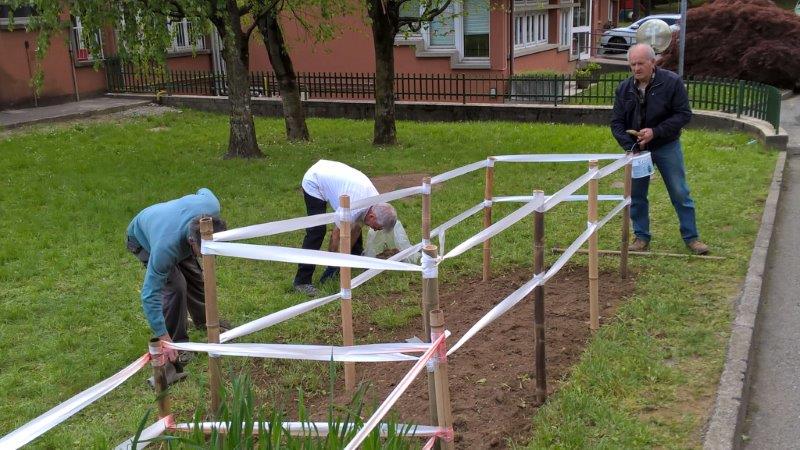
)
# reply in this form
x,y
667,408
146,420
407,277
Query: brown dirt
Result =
x,y
491,377
388,183
744,39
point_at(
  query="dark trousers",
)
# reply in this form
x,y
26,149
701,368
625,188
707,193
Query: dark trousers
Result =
x,y
314,237
183,294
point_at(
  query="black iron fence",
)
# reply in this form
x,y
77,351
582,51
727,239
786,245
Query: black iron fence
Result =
x,y
743,98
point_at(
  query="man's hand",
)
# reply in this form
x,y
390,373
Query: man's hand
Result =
x,y
645,135
170,353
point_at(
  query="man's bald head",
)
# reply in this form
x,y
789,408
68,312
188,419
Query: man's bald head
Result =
x,y
642,60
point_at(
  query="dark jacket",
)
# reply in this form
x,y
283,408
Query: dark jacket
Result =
x,y
666,110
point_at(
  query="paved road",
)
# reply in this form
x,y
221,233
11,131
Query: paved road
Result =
x,y
774,410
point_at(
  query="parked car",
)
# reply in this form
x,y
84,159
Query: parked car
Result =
x,y
618,40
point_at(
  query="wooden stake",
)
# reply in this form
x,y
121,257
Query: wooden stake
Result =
x,y
212,315
347,302
159,376
445,415
430,302
594,304
626,225
426,211
538,304
487,217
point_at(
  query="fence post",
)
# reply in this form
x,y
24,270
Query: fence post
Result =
x,y
487,217
626,224
344,281
538,303
740,99
594,306
445,414
464,89
212,315
159,376
430,302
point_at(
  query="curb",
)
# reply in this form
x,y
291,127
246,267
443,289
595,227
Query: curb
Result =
x,y
76,115
733,393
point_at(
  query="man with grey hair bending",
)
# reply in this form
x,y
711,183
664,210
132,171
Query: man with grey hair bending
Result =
x,y
322,184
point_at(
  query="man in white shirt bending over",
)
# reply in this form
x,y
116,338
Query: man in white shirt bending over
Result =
x,y
322,184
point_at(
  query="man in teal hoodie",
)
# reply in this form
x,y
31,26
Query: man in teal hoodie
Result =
x,y
165,237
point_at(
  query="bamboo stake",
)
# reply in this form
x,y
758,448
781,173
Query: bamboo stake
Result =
x,y
159,376
538,304
212,315
426,211
487,217
670,255
430,302
626,225
445,414
344,282
594,304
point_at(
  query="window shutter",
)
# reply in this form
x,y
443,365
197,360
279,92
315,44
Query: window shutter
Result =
x,y
476,19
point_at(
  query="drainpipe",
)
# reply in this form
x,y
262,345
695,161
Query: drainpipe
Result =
x,y
74,77
30,75
511,39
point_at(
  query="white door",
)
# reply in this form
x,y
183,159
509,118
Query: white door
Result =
x,y
581,29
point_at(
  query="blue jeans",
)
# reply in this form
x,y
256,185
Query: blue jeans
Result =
x,y
669,160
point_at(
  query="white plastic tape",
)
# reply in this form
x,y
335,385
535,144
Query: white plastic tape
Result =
x,y
571,198
557,157
490,161
342,215
487,203
498,310
271,228
276,317
385,197
430,267
613,167
314,429
392,398
67,409
568,190
426,189
301,256
495,228
441,241
456,220
148,434
346,294
357,353
441,178
369,274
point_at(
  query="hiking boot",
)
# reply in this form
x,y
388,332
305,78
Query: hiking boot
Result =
x,y
307,289
697,247
639,245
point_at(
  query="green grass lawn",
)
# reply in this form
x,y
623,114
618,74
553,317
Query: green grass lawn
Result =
x,y
70,313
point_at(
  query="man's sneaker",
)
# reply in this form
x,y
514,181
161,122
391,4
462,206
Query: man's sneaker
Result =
x,y
307,289
697,247
185,357
639,245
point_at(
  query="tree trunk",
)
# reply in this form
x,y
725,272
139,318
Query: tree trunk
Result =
x,y
293,114
383,33
242,141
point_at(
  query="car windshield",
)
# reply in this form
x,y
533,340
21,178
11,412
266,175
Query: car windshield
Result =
x,y
640,22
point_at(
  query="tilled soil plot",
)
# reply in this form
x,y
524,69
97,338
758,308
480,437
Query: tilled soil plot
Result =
x,y
492,376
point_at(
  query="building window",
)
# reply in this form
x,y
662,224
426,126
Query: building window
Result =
x,y
82,51
565,27
20,14
610,11
476,29
181,32
442,29
530,28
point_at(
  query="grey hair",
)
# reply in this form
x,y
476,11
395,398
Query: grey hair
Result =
x,y
385,215
194,227
650,52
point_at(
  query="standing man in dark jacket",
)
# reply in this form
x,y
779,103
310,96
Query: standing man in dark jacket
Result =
x,y
654,103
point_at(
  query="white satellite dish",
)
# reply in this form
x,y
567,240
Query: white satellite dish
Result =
x,y
655,33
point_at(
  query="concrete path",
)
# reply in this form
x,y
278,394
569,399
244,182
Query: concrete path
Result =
x,y
773,416
84,108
